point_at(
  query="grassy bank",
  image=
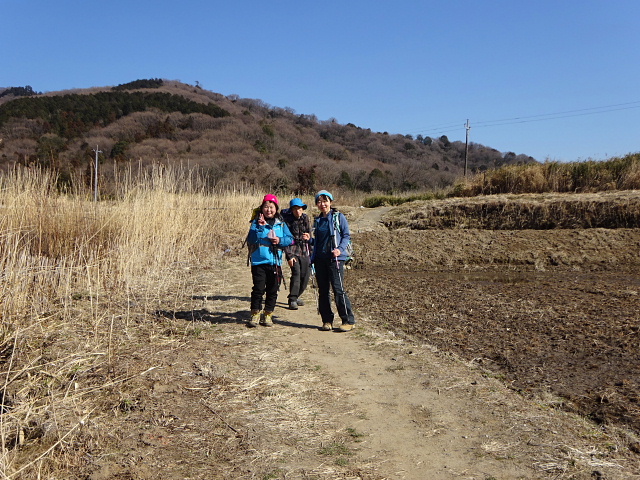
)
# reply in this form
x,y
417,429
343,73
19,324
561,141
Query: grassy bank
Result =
x,y
622,173
520,212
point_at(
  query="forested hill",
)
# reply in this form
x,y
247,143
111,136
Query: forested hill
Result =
x,y
233,139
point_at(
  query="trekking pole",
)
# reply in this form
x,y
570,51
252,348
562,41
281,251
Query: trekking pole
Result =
x,y
314,284
335,241
344,302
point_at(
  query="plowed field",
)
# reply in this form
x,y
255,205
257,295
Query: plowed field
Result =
x,y
552,312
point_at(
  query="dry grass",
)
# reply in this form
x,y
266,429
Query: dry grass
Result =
x,y
76,276
590,176
93,301
57,246
620,173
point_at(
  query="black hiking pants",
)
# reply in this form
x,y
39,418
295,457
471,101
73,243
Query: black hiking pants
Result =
x,y
331,277
299,277
265,280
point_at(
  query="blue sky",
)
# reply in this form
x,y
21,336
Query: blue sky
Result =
x,y
554,79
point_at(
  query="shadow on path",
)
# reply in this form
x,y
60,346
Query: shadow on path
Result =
x,y
305,314
223,298
241,316
289,323
203,315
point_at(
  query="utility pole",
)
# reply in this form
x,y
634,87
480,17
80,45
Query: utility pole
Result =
x,y
95,183
466,147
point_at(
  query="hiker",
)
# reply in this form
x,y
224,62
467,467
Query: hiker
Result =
x,y
297,254
331,238
267,237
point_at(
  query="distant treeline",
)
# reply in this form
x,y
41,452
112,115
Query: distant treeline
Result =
x,y
70,116
19,91
136,84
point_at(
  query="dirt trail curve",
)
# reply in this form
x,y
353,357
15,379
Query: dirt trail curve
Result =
x,y
415,412
294,402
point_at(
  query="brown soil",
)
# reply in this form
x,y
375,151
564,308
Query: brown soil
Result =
x,y
477,355
572,333
551,310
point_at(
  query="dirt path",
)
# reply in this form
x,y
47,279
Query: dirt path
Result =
x,y
424,414
413,416
412,412
291,401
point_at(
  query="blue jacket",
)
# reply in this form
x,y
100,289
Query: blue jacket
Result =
x,y
264,252
341,236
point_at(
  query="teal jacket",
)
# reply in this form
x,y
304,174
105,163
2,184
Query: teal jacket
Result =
x,y
264,252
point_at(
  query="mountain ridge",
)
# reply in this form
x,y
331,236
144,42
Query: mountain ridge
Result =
x,y
243,140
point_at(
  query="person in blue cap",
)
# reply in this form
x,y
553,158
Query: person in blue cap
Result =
x,y
298,254
331,240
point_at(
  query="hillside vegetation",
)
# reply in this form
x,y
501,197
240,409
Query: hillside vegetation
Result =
x,y
232,139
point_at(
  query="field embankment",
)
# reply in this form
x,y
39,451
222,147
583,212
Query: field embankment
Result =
x,y
522,212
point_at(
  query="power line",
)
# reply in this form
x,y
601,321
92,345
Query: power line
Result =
x,y
553,116
437,127
446,128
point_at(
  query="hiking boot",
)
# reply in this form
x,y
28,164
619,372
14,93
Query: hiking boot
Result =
x,y
326,327
345,327
300,303
293,305
267,320
255,318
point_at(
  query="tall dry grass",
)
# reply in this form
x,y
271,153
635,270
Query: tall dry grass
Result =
x,y
590,176
55,245
70,268
620,173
